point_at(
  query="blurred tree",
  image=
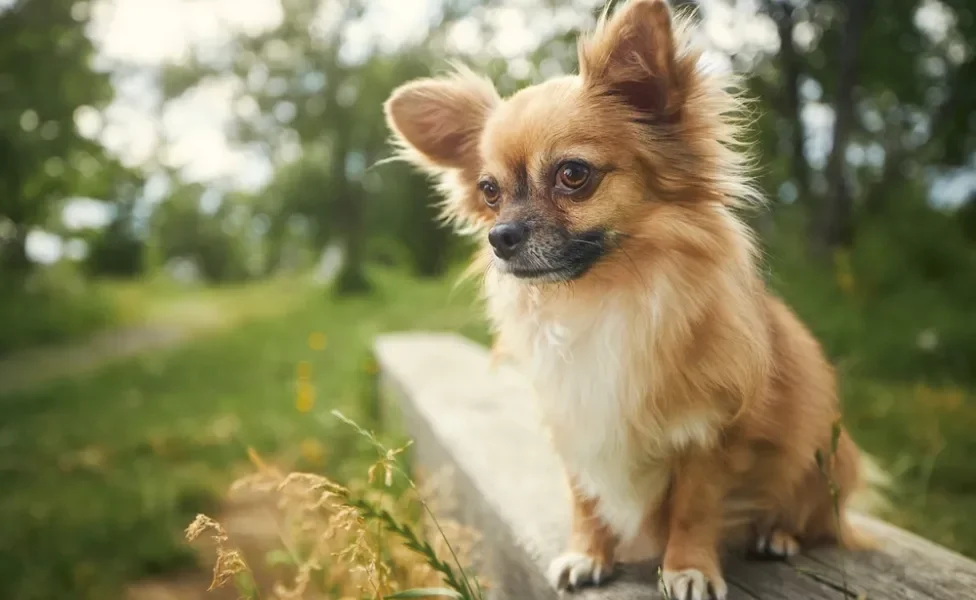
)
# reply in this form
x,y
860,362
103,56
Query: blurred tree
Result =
x,y
312,100
836,225
897,77
307,99
46,76
118,250
196,225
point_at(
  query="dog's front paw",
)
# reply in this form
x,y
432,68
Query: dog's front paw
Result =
x,y
777,544
573,570
692,584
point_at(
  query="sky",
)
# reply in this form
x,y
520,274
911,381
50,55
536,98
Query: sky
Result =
x,y
189,133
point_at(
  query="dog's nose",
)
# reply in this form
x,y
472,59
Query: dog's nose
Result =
x,y
507,238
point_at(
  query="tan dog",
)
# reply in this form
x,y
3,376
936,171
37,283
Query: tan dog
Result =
x,y
688,405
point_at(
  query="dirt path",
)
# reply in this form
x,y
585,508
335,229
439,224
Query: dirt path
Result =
x,y
35,367
252,528
175,323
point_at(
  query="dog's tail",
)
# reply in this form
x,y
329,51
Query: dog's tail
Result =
x,y
870,498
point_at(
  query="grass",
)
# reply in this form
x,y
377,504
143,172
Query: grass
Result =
x,y
50,306
162,301
909,404
56,304
101,473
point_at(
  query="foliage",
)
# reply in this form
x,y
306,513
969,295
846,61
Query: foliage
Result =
x,y
216,240
50,306
46,76
897,86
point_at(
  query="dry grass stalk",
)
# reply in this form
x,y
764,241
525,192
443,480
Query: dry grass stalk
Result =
x,y
361,540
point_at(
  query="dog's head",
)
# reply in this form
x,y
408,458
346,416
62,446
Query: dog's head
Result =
x,y
561,175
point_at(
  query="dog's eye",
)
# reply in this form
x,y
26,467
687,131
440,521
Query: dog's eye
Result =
x,y
572,175
489,189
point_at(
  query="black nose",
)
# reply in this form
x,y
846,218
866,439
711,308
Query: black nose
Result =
x,y
507,238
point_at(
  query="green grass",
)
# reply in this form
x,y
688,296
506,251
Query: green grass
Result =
x,y
101,473
910,406
55,305
49,307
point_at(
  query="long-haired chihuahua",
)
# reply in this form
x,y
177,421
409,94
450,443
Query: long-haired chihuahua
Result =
x,y
690,408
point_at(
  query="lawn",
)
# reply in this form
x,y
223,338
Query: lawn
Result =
x,y
100,473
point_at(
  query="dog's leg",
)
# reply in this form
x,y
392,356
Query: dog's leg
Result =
x,y
776,543
691,569
589,559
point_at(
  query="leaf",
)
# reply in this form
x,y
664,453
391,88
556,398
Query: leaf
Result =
x,y
278,557
425,593
835,437
245,585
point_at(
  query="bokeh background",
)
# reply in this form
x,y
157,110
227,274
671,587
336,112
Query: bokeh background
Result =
x,y
197,244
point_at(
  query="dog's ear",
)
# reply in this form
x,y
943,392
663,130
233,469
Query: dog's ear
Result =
x,y
632,56
438,122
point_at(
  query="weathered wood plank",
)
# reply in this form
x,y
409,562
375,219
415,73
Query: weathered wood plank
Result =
x,y
479,421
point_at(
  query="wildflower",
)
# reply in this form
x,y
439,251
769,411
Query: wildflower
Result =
x,y
313,451
306,397
843,272
316,340
371,367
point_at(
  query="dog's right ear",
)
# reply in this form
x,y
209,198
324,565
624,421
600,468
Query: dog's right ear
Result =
x,y
438,122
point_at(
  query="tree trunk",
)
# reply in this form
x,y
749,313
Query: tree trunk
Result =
x,y
835,227
782,15
13,253
352,275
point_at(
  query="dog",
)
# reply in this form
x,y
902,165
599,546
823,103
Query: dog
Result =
x,y
690,407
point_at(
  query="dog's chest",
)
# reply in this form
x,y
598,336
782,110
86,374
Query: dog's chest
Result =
x,y
591,374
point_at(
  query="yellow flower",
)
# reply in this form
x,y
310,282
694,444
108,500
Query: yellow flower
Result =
x,y
313,451
304,369
843,272
953,399
316,340
306,397
84,572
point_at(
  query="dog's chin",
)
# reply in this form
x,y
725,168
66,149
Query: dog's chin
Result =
x,y
539,274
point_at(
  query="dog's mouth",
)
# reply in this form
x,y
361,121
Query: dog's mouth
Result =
x,y
566,260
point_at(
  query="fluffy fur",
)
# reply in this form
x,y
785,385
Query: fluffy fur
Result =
x,y
687,403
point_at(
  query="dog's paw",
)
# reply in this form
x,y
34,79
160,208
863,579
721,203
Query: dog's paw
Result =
x,y
777,544
692,584
573,570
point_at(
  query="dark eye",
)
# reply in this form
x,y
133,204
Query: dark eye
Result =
x,y
572,175
489,189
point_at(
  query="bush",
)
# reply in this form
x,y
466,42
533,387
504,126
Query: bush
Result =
x,y
50,305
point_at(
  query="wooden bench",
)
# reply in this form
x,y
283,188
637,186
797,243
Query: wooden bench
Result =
x,y
478,420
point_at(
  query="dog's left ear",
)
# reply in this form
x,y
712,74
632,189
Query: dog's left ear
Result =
x,y
440,120
632,56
